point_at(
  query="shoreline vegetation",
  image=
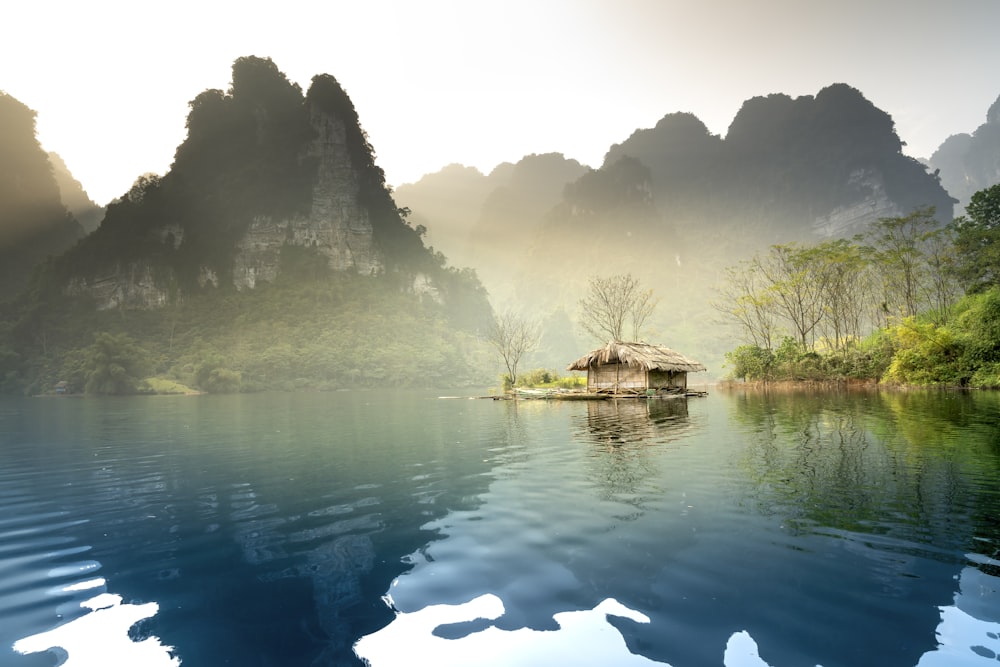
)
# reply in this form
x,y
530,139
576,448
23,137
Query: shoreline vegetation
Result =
x,y
960,349
910,302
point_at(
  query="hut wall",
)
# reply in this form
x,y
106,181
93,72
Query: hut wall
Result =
x,y
615,377
667,380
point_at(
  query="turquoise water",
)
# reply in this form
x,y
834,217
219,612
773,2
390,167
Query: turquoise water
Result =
x,y
280,529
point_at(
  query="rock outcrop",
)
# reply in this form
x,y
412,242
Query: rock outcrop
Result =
x,y
295,172
968,163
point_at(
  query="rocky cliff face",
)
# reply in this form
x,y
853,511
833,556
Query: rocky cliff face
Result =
x,y
126,286
34,223
212,219
338,226
873,203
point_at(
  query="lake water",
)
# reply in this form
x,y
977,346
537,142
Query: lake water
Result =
x,y
790,529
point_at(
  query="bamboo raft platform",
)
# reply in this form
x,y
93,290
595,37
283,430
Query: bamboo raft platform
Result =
x,y
567,395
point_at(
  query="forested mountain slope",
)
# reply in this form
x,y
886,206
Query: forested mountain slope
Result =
x,y
34,223
275,213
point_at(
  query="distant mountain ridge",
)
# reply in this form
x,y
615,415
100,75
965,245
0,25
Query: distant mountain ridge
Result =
x,y
34,222
970,162
488,221
787,167
674,204
263,168
86,211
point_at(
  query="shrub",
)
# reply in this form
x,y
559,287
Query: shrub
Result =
x,y
750,362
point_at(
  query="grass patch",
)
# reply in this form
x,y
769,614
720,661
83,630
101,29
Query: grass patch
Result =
x,y
160,385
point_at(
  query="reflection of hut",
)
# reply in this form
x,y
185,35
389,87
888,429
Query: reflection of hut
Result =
x,y
633,368
620,421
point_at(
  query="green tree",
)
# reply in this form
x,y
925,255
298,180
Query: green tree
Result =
x,y
213,377
846,289
797,283
744,300
977,241
750,362
897,252
114,364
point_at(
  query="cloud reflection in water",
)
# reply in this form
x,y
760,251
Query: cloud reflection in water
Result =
x,y
100,638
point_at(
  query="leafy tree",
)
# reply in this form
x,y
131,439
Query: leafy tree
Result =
x,y
744,300
512,336
614,303
846,286
980,324
925,354
977,241
896,250
797,283
115,364
942,259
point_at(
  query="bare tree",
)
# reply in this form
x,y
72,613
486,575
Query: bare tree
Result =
x,y
642,307
512,336
744,299
613,302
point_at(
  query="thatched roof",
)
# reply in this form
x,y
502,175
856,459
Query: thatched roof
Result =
x,y
646,356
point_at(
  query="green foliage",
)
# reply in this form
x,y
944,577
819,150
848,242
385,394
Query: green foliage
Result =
x,y
159,385
751,363
919,334
870,359
543,378
213,377
986,376
979,323
978,241
538,376
897,254
114,364
298,264
962,351
926,354
326,332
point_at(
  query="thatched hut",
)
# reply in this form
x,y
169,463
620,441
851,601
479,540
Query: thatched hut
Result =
x,y
633,368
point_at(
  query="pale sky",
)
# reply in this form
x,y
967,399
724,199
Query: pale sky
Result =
x,y
480,83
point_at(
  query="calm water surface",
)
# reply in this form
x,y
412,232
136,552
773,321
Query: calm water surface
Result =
x,y
280,529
